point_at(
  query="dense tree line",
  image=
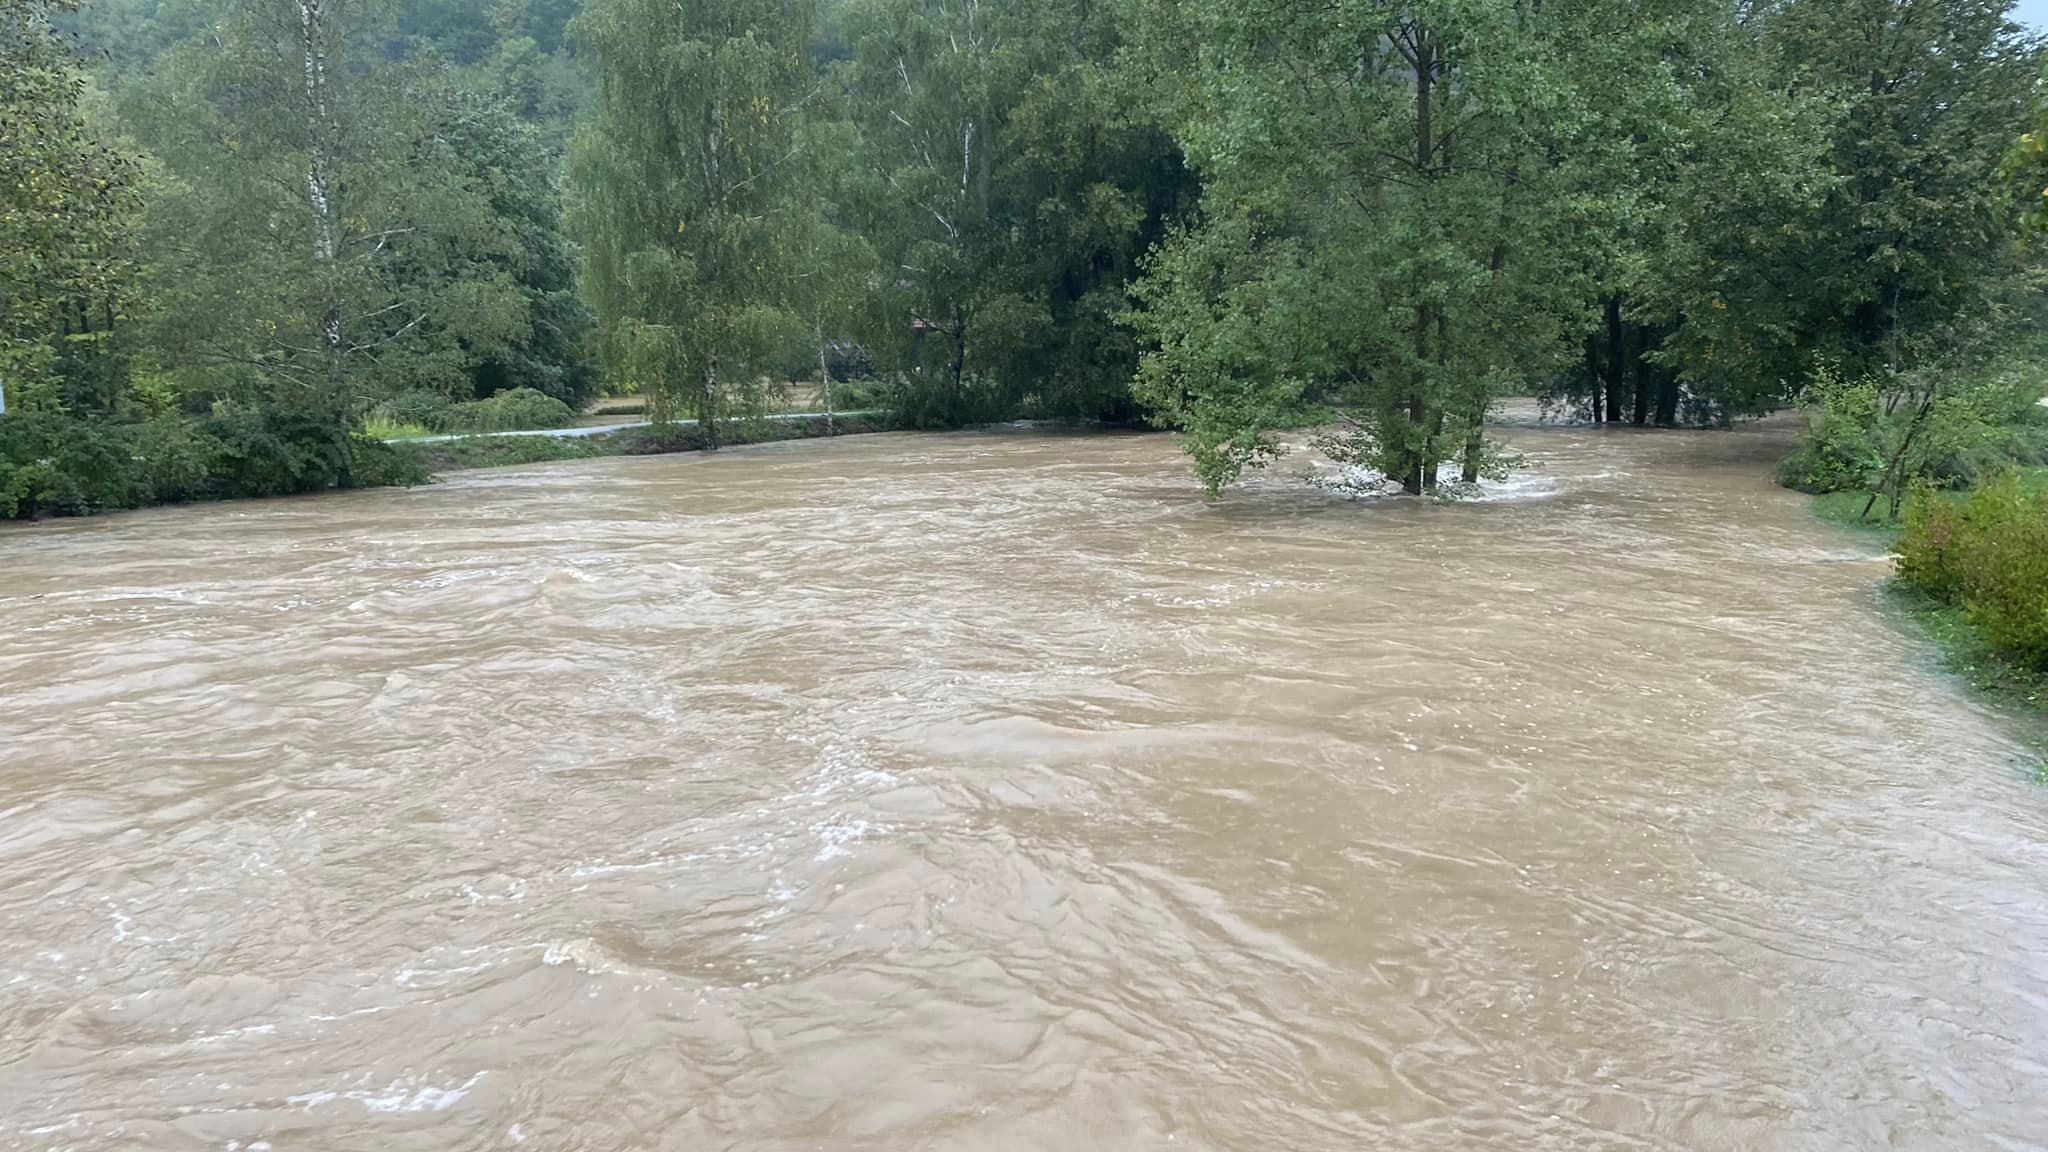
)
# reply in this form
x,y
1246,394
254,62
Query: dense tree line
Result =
x,y
235,230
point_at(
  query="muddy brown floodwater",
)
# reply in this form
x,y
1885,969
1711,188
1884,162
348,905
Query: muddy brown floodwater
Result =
x,y
993,791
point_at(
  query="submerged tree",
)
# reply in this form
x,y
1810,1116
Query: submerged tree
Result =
x,y
1387,225
686,195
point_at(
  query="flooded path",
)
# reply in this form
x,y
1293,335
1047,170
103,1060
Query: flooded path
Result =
x,y
994,792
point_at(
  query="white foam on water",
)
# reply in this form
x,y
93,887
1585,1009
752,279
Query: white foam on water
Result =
x,y
231,1033
427,1098
399,1096
837,834
1361,483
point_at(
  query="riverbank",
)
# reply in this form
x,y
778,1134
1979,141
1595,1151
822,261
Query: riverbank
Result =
x,y
1961,647
57,470
454,454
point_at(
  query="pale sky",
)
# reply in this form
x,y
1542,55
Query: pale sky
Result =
x,y
2032,13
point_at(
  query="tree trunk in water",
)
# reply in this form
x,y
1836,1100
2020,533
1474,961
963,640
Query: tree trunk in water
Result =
x,y
1432,448
1616,351
1408,458
1593,374
1475,443
1667,399
1639,415
824,376
1413,458
707,405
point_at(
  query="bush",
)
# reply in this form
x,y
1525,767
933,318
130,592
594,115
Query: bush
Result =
x,y
929,400
1862,433
516,410
275,452
381,465
174,457
1843,447
421,409
1989,554
1932,531
54,465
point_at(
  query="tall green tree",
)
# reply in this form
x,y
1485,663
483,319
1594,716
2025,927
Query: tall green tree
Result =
x,y
1914,240
67,205
1014,190
1389,223
687,187
1705,178
329,230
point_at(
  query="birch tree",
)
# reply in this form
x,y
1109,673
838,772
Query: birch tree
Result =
x,y
329,228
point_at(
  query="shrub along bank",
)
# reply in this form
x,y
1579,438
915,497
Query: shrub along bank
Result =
x,y
513,410
1948,463
1980,563
53,465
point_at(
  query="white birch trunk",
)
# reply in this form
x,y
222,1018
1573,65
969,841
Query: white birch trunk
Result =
x,y
313,16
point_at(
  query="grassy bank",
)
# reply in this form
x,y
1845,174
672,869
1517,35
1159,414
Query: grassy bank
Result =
x,y
1846,507
1962,645
499,451
1965,652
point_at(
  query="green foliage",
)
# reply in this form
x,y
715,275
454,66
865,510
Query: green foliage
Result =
x,y
55,465
1011,188
1989,555
1392,220
1932,535
380,465
1845,445
433,259
933,400
519,409
1888,433
415,409
2026,167
1231,317
175,458
431,412
685,196
67,206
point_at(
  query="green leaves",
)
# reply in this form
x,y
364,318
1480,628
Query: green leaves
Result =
x,y
687,187
68,203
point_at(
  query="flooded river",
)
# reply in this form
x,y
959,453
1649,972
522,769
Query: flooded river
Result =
x,y
993,791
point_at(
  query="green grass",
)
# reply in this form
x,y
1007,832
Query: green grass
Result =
x,y
1846,508
391,430
1964,652
1959,647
